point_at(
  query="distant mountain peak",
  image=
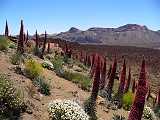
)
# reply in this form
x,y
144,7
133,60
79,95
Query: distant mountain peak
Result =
x,y
73,30
132,27
126,35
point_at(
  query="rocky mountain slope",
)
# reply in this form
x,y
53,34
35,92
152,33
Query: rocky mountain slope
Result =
x,y
127,35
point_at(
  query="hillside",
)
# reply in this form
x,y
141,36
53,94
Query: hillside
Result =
x,y
37,103
36,79
127,35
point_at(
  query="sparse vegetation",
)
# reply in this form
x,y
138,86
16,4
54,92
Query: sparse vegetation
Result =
x,y
12,45
157,111
4,43
11,101
43,86
16,58
83,81
128,100
58,64
118,117
73,65
90,108
32,68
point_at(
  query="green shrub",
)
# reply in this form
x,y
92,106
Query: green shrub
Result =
x,y
16,59
57,63
42,85
90,109
83,81
67,75
30,46
12,45
49,56
118,117
66,59
82,66
157,111
4,43
32,68
37,51
127,100
11,102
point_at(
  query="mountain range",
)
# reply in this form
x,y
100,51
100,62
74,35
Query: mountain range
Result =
x,y
127,35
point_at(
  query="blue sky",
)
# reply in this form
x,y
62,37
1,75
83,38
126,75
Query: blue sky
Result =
x,y
59,15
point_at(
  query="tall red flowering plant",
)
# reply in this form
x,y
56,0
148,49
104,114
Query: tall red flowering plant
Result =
x,y
119,95
110,84
48,47
93,67
109,72
44,44
6,29
27,37
37,44
90,104
133,86
96,81
122,79
142,88
103,74
128,81
20,47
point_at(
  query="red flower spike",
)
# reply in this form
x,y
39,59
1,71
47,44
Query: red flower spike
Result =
x,y
112,76
122,79
37,39
127,85
103,74
27,37
96,81
109,72
138,105
133,86
93,68
158,98
44,44
6,29
20,47
48,48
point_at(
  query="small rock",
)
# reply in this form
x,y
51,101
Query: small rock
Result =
x,y
109,106
58,87
29,110
74,93
114,107
37,97
106,110
78,70
100,100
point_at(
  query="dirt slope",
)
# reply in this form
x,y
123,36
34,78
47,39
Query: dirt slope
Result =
x,y
61,89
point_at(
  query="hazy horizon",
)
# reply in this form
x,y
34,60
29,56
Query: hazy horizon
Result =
x,y
60,15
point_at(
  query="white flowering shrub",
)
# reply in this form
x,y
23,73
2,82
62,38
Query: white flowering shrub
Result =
x,y
11,102
148,114
66,110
